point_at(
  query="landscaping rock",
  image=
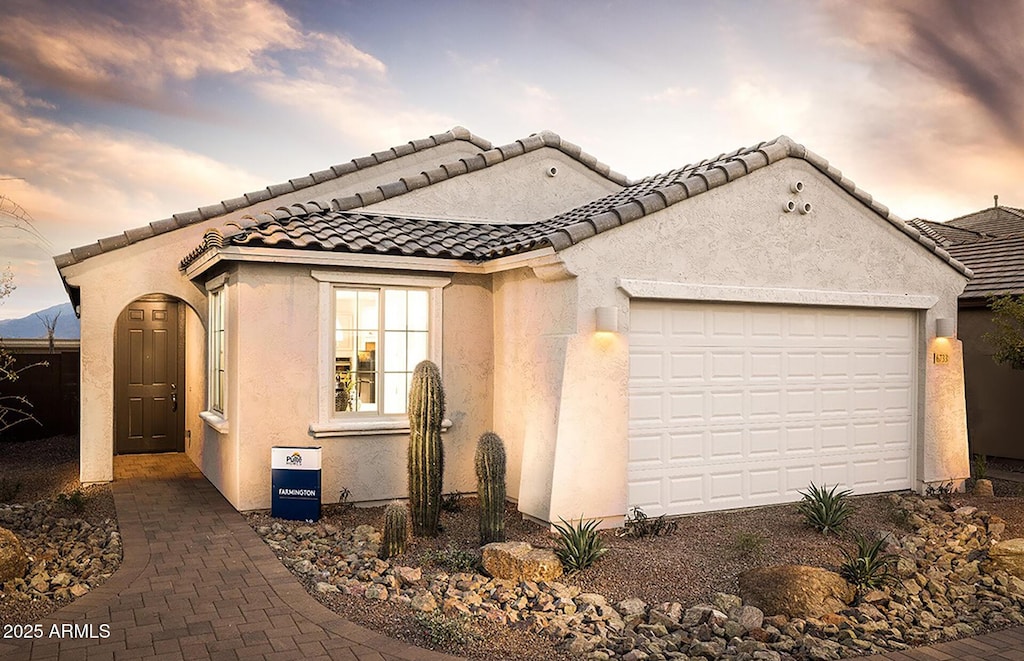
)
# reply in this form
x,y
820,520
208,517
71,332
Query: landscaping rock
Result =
x,y
795,590
983,488
518,561
13,561
1007,556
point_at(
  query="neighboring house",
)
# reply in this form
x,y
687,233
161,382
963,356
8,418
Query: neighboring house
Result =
x,y
714,337
991,243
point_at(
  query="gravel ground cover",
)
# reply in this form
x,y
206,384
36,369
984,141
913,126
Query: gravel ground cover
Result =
x,y
702,557
68,532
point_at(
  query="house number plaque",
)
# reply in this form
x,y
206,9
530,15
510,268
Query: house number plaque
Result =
x,y
942,358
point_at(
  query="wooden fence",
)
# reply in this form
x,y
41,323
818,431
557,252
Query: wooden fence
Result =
x,y
52,388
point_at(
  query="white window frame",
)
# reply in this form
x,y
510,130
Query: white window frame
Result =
x,y
328,422
215,414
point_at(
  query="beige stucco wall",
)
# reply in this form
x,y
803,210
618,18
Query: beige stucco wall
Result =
x,y
273,376
518,190
734,236
109,281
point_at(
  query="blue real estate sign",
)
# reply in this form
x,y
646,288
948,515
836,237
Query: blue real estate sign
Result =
x,y
295,483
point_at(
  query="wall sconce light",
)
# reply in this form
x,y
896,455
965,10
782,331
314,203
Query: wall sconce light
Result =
x,y
945,327
607,320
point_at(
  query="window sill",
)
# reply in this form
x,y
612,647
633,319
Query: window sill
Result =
x,y
365,427
215,420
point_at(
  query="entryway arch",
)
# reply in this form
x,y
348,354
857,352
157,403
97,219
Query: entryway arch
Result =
x,y
149,376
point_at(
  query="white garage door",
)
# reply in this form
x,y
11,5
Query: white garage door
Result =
x,y
739,405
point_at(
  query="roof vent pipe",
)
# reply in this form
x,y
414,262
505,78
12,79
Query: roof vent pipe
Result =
x,y
797,187
805,208
789,207
551,171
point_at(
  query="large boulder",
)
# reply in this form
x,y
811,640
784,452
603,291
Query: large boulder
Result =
x,y
1007,556
518,561
13,561
795,590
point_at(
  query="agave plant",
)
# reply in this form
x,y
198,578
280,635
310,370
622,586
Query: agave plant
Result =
x,y
868,568
825,509
579,545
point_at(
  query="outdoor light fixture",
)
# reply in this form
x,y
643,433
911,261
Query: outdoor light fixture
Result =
x,y
607,320
945,327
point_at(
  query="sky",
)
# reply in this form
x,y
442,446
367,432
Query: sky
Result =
x,y
116,113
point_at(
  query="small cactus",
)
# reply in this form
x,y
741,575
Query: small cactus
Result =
x,y
490,486
396,528
426,453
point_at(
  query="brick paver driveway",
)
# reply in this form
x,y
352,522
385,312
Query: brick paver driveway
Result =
x,y
197,583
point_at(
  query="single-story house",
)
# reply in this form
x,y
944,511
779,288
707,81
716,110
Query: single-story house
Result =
x,y
713,337
991,243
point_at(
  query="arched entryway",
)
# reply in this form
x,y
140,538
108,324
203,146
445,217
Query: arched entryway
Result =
x,y
149,376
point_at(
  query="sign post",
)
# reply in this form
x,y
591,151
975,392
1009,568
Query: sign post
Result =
x,y
295,483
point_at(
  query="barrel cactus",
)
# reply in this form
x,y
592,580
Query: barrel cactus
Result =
x,y
490,486
426,454
396,526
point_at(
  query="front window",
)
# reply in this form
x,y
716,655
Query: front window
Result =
x,y
380,334
216,351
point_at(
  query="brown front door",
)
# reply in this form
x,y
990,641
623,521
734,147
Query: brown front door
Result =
x,y
148,405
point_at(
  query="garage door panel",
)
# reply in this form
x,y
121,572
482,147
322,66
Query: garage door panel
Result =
x,y
750,404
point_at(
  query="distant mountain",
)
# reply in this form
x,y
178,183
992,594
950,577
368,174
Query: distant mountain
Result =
x,y
67,324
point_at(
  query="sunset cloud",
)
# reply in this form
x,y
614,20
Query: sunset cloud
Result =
x,y
129,52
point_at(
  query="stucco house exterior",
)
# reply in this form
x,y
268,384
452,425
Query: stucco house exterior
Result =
x,y
991,242
713,337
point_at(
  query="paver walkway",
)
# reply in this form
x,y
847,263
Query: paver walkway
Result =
x,y
197,583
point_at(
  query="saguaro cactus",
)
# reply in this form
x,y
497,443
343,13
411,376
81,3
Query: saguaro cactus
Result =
x,y
426,454
490,486
395,530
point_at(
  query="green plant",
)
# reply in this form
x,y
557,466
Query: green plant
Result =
x,y
426,453
824,509
490,487
444,631
396,530
868,568
979,463
451,502
75,500
1007,338
749,544
579,545
641,525
343,503
451,558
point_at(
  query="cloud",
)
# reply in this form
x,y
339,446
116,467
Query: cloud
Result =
x,y
971,48
128,52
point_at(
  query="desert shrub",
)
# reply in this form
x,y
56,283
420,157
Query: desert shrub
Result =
x,y
579,545
749,544
825,509
75,501
451,558
979,463
452,502
868,568
444,631
641,525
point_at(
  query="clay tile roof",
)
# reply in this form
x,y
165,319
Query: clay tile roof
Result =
x,y
355,232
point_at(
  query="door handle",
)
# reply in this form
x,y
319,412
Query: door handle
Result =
x,y
174,397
